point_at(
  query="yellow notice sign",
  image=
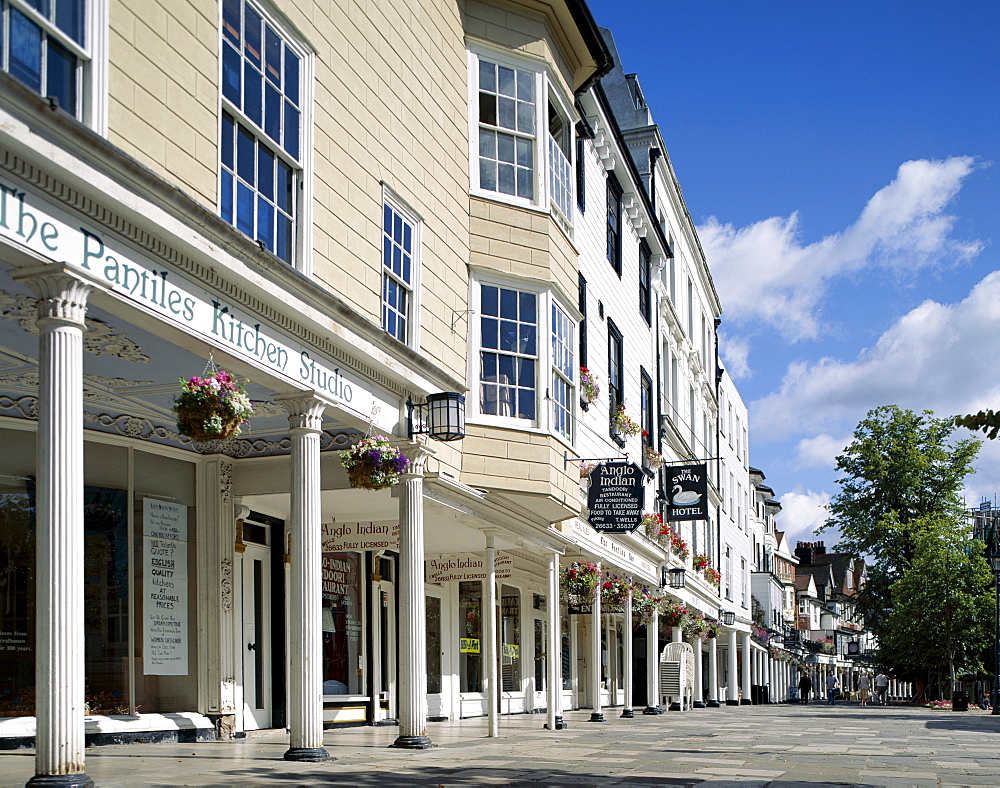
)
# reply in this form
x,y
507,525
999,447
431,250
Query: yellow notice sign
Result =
x,y
468,645
511,650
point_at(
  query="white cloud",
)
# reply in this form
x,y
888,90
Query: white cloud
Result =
x,y
764,271
938,357
819,451
801,514
735,351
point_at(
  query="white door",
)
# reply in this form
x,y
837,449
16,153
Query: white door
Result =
x,y
256,642
437,636
384,637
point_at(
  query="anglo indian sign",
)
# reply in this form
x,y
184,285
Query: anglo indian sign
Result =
x,y
616,497
465,567
338,537
688,494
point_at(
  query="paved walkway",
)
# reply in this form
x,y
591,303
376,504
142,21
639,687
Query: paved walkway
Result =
x,y
756,745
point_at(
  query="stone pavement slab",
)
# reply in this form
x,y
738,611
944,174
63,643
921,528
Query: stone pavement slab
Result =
x,y
781,746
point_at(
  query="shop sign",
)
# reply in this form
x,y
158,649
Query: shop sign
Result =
x,y
446,568
510,651
616,497
468,645
338,537
580,609
164,588
53,233
688,495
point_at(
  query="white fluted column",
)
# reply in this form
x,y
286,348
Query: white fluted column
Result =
x,y
747,656
595,654
490,639
305,621
59,580
412,673
554,664
627,712
732,680
713,673
653,665
699,695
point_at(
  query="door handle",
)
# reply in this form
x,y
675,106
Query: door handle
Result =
x,y
251,646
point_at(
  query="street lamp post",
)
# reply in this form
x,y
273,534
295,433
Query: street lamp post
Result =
x,y
995,564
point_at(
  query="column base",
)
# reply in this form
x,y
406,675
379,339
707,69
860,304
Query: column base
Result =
x,y
597,717
627,714
412,743
746,702
732,702
675,707
560,725
712,704
308,754
698,705
79,780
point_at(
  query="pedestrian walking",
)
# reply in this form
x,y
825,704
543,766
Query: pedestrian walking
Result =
x,y
832,689
805,687
864,688
882,688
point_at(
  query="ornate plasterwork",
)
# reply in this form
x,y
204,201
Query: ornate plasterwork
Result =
x,y
144,429
99,338
227,585
226,481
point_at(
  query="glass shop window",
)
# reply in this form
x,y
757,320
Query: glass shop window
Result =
x,y
470,605
510,639
342,625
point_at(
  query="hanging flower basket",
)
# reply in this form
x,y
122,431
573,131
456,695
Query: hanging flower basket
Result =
x,y
615,592
373,463
651,525
622,425
673,614
579,581
651,458
590,389
644,604
696,626
212,407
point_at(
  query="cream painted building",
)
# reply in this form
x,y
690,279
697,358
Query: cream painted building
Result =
x,y
353,211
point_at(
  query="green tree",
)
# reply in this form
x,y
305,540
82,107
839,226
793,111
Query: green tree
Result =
x,y
941,618
986,420
901,476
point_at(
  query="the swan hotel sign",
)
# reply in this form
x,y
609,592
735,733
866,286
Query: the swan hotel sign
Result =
x,y
688,497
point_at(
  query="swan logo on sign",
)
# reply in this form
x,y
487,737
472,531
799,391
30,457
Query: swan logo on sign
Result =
x,y
688,495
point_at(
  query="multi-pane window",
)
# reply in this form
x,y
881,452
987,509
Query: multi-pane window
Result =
x,y
261,128
43,45
646,407
506,130
616,383
615,224
562,373
560,171
645,281
508,352
398,240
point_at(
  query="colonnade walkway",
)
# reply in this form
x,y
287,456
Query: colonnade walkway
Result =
x,y
775,745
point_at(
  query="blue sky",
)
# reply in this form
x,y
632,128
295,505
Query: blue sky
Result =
x,y
842,163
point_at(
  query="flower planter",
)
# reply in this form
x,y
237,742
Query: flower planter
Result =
x,y
201,424
373,463
211,408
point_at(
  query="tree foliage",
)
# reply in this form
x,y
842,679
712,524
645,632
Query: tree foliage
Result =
x,y
900,486
986,420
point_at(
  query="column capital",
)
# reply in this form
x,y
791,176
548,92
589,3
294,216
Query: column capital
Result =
x,y
62,292
305,410
417,454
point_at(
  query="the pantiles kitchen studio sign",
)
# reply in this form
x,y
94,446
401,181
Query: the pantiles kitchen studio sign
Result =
x,y
616,497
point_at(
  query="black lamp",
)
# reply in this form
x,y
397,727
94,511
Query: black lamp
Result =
x,y
673,577
441,417
726,617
